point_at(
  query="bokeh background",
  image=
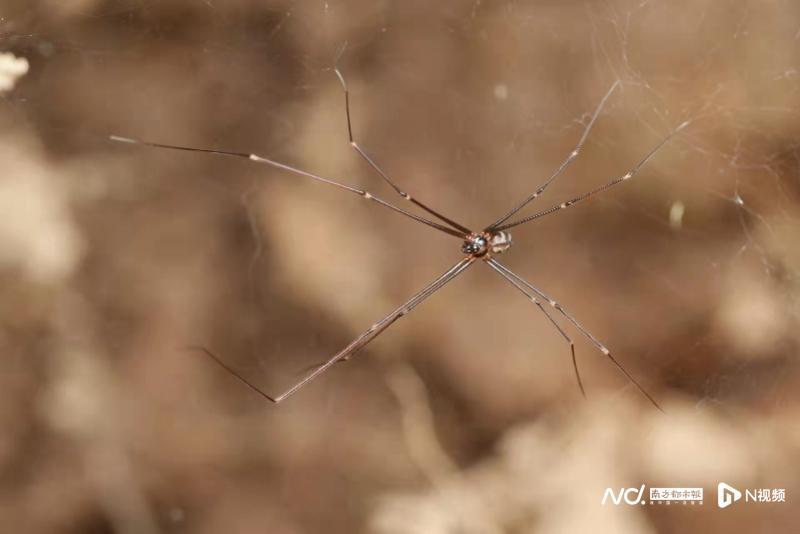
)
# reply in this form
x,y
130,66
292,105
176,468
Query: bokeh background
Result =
x,y
465,416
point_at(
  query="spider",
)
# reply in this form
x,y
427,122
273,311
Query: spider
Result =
x,y
477,246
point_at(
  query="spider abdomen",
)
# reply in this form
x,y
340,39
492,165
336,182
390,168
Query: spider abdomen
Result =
x,y
499,242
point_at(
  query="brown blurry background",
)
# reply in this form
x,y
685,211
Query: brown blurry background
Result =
x,y
465,416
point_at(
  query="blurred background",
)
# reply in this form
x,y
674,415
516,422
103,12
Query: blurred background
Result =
x,y
465,416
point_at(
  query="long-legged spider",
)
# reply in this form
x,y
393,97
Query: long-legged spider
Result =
x,y
483,245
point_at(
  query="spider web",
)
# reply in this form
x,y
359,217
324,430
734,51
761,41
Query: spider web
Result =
x,y
117,256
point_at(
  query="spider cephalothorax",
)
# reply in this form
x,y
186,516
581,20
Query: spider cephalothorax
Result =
x,y
486,244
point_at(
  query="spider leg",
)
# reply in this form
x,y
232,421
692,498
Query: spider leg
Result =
x,y
380,171
259,159
616,181
512,277
561,168
359,342
561,331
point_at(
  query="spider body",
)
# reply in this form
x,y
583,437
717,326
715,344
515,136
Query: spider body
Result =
x,y
486,244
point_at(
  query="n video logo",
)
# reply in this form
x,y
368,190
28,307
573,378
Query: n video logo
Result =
x,y
727,495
